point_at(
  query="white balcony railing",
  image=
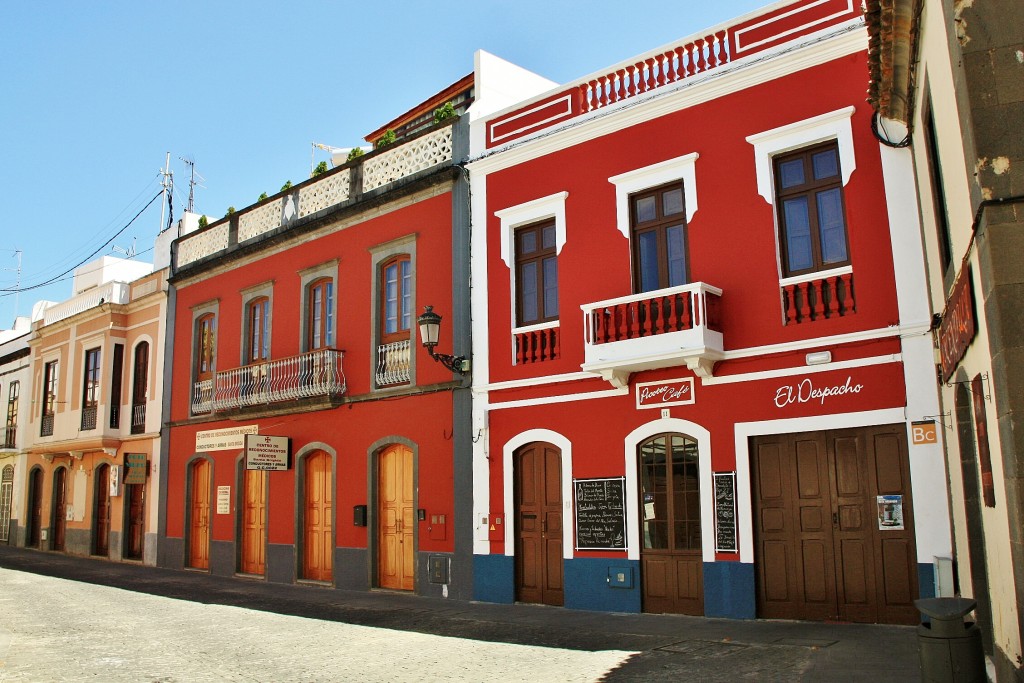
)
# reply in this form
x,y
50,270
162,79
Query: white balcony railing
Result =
x,y
660,329
110,293
394,363
313,374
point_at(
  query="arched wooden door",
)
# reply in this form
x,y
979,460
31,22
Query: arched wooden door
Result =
x,y
317,532
254,506
59,509
35,508
396,521
101,512
538,524
671,559
199,515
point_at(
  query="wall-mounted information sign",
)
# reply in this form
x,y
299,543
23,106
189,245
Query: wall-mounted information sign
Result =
x,y
232,438
263,452
725,512
600,513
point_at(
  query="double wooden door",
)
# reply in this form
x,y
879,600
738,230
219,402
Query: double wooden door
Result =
x,y
101,512
834,526
396,518
199,515
254,510
317,519
538,524
671,557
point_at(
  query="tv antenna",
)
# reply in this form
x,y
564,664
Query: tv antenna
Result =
x,y
192,182
17,281
167,183
128,253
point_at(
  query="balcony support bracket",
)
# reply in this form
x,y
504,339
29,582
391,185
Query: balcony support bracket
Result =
x,y
617,377
701,366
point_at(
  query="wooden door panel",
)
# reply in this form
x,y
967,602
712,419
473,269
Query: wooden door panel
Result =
x,y
59,503
101,515
318,537
538,525
136,521
396,490
847,568
199,516
253,526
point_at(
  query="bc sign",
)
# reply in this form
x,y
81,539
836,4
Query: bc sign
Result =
x,y
923,432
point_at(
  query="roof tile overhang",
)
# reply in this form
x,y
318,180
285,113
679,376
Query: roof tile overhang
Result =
x,y
892,46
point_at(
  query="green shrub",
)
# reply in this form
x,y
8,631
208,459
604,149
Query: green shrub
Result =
x,y
203,222
320,169
386,139
354,153
444,113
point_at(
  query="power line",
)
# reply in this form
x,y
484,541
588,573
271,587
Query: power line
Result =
x,y
87,258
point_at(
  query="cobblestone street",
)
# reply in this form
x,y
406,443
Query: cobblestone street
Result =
x,y
57,630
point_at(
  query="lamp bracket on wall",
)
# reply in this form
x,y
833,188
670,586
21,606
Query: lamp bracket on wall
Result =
x,y
984,381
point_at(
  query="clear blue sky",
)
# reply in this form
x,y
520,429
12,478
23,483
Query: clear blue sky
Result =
x,y
94,94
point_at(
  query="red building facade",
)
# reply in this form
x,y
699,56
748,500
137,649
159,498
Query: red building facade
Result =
x,y
702,363
295,328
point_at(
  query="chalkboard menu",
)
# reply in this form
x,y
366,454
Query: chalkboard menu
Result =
x,y
600,514
725,512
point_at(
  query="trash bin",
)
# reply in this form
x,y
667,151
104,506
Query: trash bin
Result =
x,y
950,649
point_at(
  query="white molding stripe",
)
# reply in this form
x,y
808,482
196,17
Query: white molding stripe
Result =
x,y
804,369
534,381
834,340
737,34
561,398
566,99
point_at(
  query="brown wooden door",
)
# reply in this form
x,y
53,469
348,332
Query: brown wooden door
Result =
x,y
35,508
822,551
317,537
538,524
101,512
254,506
59,507
671,558
135,521
396,562
199,515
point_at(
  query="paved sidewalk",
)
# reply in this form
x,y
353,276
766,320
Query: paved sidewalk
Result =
x,y
610,647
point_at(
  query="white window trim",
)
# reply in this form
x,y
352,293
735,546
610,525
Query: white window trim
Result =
x,y
680,168
552,206
835,125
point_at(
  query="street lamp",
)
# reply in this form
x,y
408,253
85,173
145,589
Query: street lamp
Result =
x,y
430,327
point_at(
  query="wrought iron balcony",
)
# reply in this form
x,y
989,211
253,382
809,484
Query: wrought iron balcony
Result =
x,y
394,363
666,328
10,437
309,375
138,418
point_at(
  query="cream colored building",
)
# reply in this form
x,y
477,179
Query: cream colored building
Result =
x,y
94,415
955,72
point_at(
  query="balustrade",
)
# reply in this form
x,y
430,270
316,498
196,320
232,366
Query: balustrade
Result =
x,y
313,374
394,363
46,425
138,418
817,298
10,437
654,71
89,417
536,344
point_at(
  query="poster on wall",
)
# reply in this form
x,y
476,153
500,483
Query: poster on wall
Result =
x,y
725,512
890,513
223,500
600,513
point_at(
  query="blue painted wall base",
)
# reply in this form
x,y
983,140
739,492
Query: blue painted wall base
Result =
x,y
729,590
587,586
494,578
926,580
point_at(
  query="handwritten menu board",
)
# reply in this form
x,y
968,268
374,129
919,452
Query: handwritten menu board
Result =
x,y
725,512
600,513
